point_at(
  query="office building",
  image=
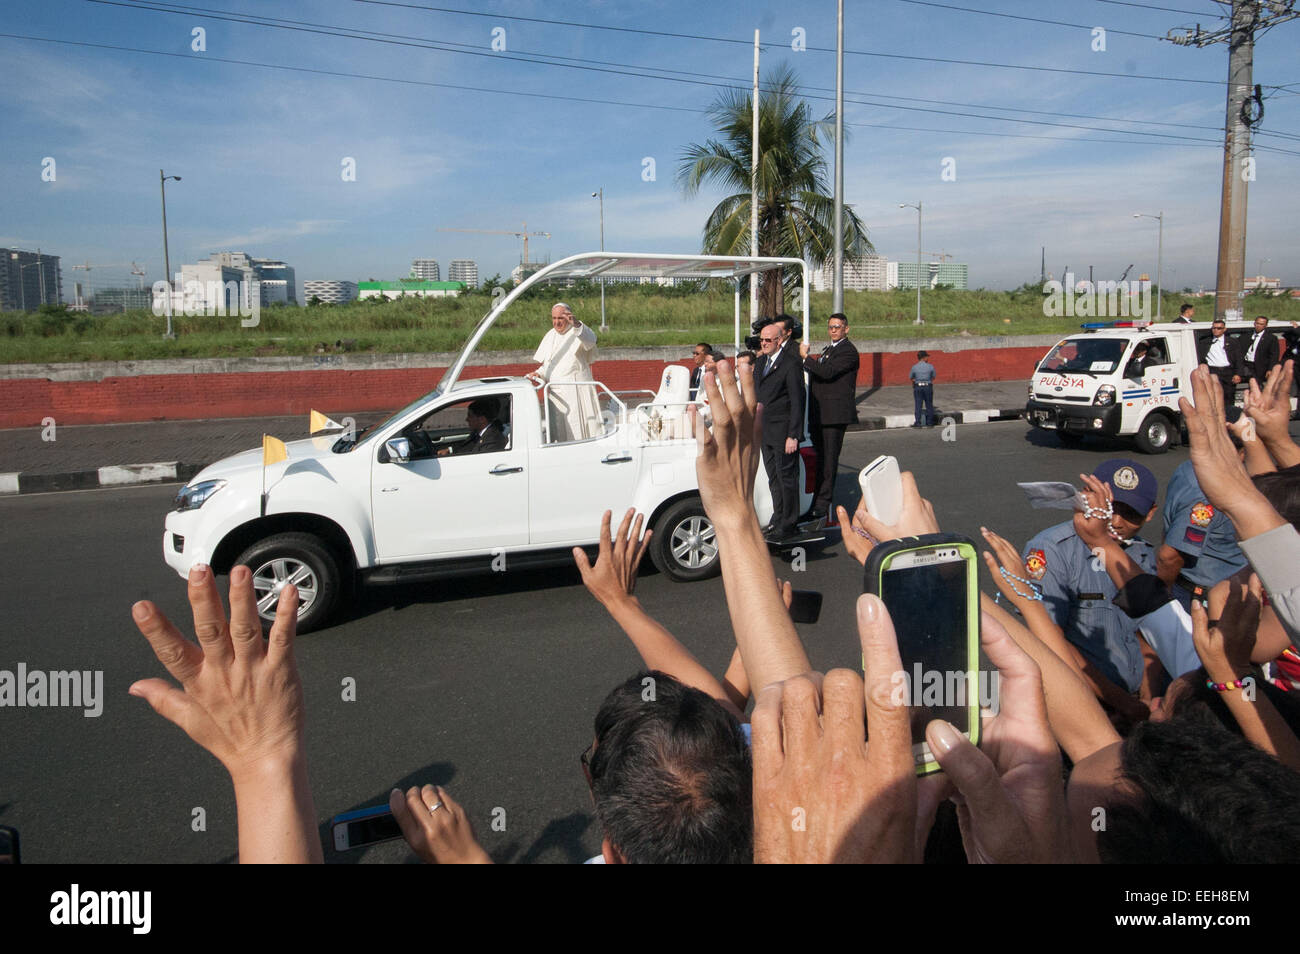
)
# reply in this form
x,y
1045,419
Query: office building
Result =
x,y
276,281
329,291
112,300
869,273
933,274
29,280
463,270
425,269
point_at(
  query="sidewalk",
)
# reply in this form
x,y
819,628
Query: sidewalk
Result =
x,y
106,455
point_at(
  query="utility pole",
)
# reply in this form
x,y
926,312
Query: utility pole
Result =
x,y
837,294
1042,268
1245,109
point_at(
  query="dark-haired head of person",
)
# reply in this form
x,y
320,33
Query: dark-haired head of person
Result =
x,y
1282,489
671,776
1192,791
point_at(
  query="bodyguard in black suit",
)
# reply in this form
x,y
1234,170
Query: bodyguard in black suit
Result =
x,y
699,353
780,389
1261,351
1225,357
832,404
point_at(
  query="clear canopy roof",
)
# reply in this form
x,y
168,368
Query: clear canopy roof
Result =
x,y
641,265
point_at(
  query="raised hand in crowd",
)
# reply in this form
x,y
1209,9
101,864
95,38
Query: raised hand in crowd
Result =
x,y
1011,798
612,581
821,793
1270,409
1219,471
436,827
726,465
864,531
241,699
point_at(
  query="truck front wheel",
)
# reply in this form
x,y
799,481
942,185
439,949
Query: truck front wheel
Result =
x,y
300,559
1155,434
684,546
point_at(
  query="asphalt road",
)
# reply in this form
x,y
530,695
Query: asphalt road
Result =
x,y
487,687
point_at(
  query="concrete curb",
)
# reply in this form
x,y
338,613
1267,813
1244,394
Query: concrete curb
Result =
x,y
124,475
980,416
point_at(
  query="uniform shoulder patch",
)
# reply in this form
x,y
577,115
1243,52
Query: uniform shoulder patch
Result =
x,y
1125,478
1035,564
1202,513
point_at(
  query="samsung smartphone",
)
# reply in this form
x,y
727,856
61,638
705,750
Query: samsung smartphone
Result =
x,y
882,489
806,606
929,584
365,826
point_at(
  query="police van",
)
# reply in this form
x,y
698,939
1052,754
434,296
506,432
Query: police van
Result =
x,y
1123,379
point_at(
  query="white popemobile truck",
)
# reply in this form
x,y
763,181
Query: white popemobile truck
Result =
x,y
381,505
1096,383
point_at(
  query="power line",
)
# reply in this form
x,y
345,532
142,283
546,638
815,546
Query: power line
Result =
x,y
1147,6
623,69
812,49
1016,16
604,102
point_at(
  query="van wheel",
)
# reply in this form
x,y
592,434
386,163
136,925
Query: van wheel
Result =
x,y
304,561
684,546
1155,434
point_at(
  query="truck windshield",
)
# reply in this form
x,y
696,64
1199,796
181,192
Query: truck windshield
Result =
x,y
1085,356
342,445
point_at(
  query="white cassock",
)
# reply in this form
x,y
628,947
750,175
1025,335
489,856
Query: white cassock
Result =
x,y
574,412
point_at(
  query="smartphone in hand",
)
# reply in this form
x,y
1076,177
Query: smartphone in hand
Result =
x,y
929,584
365,826
882,489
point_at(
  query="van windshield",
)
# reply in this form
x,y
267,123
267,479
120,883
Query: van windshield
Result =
x,y
1085,356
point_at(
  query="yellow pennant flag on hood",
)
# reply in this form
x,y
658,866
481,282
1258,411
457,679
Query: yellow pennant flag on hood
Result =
x,y
319,422
273,450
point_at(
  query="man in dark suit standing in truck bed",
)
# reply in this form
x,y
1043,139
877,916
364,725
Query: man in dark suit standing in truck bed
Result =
x,y
832,406
781,392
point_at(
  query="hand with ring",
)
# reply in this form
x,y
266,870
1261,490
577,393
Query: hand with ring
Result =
x,y
436,827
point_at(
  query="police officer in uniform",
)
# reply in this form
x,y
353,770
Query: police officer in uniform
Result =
x,y
922,375
1200,547
1077,591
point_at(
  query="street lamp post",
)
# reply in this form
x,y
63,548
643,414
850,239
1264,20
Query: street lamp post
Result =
x,y
908,205
1160,256
601,195
167,258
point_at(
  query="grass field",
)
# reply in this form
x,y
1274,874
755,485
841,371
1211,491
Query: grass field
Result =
x,y
637,317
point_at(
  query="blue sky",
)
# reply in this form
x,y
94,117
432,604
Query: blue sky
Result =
x,y
261,150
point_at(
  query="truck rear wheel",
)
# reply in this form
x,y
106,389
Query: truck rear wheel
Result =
x,y
1155,434
304,561
684,546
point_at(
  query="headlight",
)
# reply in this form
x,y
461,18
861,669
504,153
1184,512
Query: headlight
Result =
x,y
1031,387
192,497
1105,396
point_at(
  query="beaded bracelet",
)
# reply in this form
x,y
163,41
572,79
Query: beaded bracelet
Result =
x,y
1224,686
1103,513
1012,580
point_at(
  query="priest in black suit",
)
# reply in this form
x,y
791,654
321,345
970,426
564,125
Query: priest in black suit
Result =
x,y
832,404
486,433
780,388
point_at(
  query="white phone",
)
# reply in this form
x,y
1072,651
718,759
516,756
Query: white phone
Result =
x,y
882,489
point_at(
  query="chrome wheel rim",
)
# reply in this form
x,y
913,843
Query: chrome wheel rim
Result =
x,y
1157,434
693,543
274,575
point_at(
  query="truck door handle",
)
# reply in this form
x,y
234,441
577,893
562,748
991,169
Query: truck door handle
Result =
x,y
387,490
616,458
503,469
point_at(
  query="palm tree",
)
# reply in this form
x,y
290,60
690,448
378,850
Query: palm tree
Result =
x,y
796,213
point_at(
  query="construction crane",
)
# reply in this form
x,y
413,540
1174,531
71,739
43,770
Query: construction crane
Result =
x,y
941,256
524,235
138,271
87,266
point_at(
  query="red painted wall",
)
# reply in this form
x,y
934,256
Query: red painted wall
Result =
x,y
25,401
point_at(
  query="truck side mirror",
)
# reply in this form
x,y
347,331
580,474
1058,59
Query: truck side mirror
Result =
x,y
399,449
